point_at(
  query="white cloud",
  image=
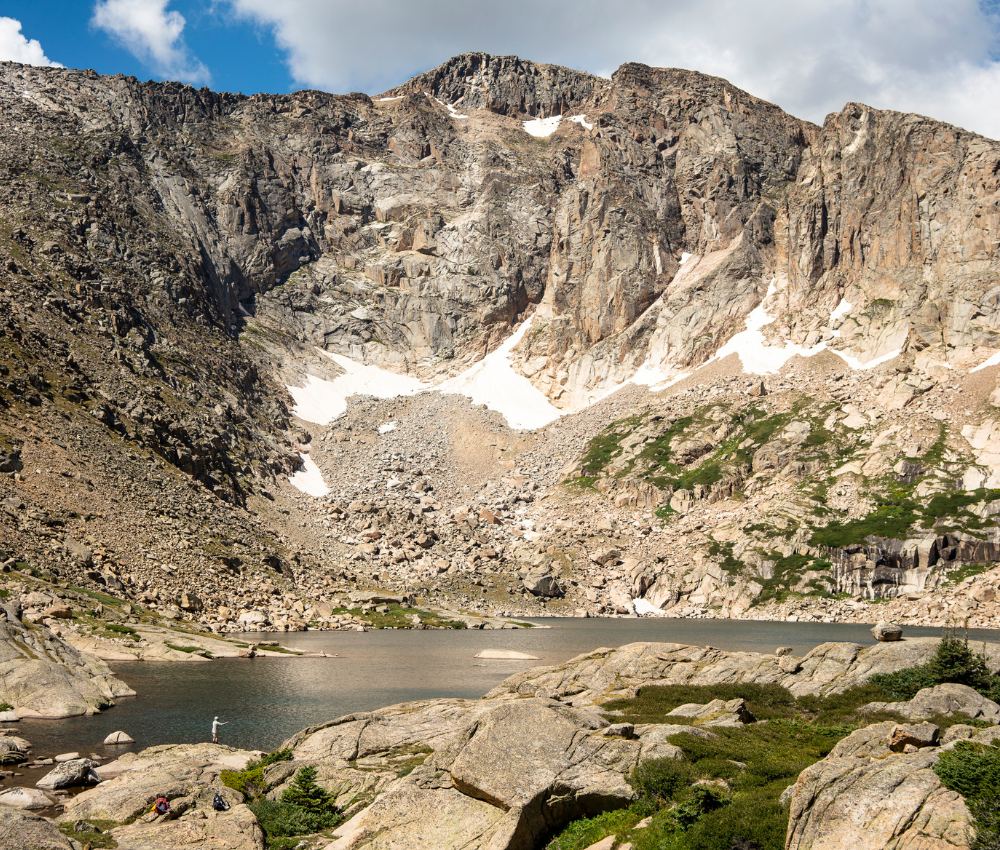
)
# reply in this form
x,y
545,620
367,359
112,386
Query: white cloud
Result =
x,y
811,58
152,34
14,47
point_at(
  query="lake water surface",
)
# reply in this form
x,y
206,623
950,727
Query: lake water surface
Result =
x,y
265,700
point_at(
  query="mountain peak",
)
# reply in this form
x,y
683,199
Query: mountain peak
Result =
x,y
506,85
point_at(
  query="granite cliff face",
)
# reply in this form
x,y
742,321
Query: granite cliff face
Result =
x,y
174,259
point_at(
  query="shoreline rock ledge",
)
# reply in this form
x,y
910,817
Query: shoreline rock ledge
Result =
x,y
43,676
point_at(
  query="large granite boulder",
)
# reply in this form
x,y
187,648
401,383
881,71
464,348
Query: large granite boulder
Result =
x,y
24,831
499,773
716,713
13,750
26,798
43,676
947,699
885,632
69,774
541,581
867,797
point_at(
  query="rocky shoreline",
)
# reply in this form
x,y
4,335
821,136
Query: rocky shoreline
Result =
x,y
430,773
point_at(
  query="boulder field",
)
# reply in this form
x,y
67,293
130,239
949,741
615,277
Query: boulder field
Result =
x,y
507,771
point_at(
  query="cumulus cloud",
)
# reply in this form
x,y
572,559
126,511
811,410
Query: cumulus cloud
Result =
x,y
14,47
152,34
811,58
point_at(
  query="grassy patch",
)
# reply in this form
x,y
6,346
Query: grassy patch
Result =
x,y
103,598
606,446
723,553
407,759
587,831
725,792
787,569
119,628
965,571
400,618
892,518
99,839
197,650
652,703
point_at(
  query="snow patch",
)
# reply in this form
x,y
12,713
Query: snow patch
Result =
x,y
644,606
493,382
685,256
309,479
841,310
755,354
992,361
856,364
759,358
322,401
542,127
581,120
451,109
387,99
387,427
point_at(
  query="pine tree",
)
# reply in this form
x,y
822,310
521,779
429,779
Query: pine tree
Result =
x,y
306,794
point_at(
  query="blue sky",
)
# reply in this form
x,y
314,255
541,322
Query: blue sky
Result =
x,y
239,54
940,59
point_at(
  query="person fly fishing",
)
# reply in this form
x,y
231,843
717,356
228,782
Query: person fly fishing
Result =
x,y
215,729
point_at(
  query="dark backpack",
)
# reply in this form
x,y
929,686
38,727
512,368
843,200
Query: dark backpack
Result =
x,y
162,806
219,804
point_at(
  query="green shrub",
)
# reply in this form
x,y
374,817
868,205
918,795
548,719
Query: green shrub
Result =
x,y
953,662
986,818
278,819
250,781
581,833
702,800
6,706
662,779
973,770
749,822
304,808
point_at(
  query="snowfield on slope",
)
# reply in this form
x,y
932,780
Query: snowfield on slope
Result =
x,y
492,381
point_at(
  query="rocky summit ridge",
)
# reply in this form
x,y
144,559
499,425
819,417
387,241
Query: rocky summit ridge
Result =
x,y
524,339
